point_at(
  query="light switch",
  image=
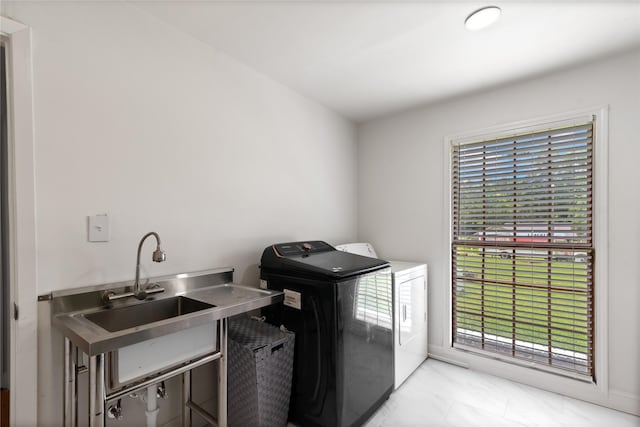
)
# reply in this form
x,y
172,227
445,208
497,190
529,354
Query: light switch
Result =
x,y
99,228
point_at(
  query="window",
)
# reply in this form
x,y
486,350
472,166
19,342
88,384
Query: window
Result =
x,y
522,247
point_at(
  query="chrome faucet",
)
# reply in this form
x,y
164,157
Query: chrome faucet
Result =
x,y
138,291
158,256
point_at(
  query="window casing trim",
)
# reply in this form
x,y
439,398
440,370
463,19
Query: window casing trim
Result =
x,y
521,128
599,116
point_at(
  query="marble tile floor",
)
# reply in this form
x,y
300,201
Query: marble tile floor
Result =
x,y
441,394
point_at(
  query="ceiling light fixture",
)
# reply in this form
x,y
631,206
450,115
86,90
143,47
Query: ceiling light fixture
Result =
x,y
482,18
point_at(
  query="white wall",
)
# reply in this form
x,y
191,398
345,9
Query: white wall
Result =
x,y
163,133
403,210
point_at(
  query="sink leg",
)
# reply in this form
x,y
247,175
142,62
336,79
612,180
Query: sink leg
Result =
x,y
74,398
96,391
186,399
67,380
222,375
70,384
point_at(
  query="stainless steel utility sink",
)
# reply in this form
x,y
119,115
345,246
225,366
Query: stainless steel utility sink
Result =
x,y
118,319
138,340
135,361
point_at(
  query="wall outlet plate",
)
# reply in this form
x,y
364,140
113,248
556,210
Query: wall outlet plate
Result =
x,y
99,228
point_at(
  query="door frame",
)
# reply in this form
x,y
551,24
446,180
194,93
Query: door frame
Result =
x,y
22,226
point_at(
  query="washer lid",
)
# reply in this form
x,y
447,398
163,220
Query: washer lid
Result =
x,y
316,258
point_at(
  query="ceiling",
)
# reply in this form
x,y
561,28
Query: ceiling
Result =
x,y
366,59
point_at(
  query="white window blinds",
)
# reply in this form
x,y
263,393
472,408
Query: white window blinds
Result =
x,y
522,250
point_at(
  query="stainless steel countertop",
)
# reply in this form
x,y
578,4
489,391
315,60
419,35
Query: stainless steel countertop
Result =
x,y
229,300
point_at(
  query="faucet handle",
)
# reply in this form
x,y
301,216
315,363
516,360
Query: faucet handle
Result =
x,y
153,288
143,294
109,296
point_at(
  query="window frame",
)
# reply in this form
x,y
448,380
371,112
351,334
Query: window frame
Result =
x,y
599,116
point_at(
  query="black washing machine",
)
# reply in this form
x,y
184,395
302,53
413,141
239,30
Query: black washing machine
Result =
x,y
340,307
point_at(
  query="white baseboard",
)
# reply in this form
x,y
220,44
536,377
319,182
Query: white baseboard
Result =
x,y
626,402
440,357
614,399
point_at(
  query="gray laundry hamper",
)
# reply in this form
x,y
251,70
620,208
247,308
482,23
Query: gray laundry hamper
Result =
x,y
260,368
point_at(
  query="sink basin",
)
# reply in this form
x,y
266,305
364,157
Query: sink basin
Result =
x,y
117,319
139,340
133,362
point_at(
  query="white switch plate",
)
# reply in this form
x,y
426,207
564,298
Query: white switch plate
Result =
x,y
99,228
